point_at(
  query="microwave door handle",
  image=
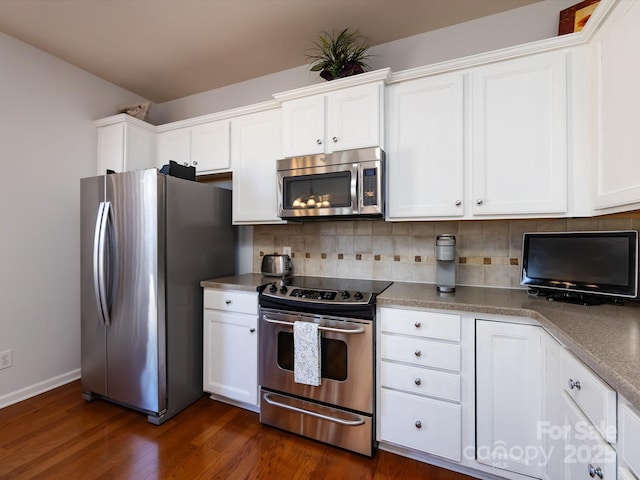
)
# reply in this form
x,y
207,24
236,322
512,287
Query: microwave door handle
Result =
x,y
320,327
355,182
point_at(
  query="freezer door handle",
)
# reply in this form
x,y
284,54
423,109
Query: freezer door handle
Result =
x,y
99,260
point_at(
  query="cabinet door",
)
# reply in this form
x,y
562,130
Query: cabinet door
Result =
x,y
425,148
174,145
354,118
255,147
509,395
231,355
618,104
518,152
303,125
140,150
210,146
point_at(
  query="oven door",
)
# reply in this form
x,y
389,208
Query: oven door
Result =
x,y
346,359
329,190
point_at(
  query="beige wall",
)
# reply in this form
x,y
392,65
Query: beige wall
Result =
x,y
488,252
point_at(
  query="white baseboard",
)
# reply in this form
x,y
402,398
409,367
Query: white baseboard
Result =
x,y
38,388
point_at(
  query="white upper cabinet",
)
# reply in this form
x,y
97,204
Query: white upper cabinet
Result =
x,y
338,115
125,144
205,147
425,155
617,153
341,120
519,136
255,147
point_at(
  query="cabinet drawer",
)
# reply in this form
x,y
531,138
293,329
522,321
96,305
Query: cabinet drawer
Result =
x,y
231,301
424,424
420,380
443,326
630,438
594,397
422,352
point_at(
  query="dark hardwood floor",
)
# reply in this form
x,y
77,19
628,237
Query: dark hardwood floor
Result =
x,y
57,435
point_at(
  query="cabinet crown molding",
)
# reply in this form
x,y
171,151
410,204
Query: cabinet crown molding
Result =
x,y
123,117
361,79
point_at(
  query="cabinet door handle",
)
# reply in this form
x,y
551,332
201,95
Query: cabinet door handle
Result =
x,y
195,163
227,301
479,201
417,381
574,384
335,139
418,424
417,353
252,329
458,203
186,164
418,324
595,471
319,142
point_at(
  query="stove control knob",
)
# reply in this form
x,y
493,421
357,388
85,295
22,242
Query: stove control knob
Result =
x,y
358,296
284,289
273,288
345,294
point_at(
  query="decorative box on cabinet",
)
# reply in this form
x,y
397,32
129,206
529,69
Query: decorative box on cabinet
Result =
x,y
420,382
125,144
255,147
340,115
231,347
205,147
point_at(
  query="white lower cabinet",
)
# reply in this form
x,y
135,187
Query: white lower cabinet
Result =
x,y
509,396
629,441
420,381
230,368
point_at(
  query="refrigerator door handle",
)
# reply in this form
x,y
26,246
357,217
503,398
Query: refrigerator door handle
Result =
x,y
99,267
96,262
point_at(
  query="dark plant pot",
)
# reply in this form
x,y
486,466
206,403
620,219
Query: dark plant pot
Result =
x,y
346,71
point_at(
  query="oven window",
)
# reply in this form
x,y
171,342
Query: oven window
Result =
x,y
333,356
326,190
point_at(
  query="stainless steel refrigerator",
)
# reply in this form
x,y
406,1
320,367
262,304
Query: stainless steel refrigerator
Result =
x,y
147,240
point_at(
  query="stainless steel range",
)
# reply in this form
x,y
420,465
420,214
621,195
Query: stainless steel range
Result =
x,y
338,408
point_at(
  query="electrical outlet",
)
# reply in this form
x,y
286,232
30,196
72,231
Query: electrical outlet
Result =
x,y
6,359
286,251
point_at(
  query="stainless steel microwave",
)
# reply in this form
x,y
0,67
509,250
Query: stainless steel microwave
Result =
x,y
341,184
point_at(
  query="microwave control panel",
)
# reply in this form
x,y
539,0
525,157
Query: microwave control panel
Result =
x,y
370,187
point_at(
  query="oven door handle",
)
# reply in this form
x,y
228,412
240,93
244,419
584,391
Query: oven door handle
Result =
x,y
358,420
320,327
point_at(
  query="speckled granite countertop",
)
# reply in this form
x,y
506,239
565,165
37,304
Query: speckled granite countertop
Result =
x,y
605,337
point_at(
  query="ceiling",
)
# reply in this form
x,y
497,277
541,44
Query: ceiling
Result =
x,y
168,49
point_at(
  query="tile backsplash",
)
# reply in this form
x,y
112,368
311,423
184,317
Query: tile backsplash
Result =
x,y
487,252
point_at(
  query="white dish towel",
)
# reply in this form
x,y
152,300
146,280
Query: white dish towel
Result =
x,y
306,348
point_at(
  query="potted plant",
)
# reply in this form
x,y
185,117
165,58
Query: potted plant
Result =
x,y
337,56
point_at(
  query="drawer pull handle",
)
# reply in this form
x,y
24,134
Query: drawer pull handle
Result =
x,y
418,424
227,302
595,471
574,384
418,324
417,381
418,353
252,330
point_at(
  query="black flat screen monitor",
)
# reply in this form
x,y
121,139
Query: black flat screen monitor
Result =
x,y
594,263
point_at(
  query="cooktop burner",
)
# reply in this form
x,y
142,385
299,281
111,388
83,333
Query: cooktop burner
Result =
x,y
327,290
